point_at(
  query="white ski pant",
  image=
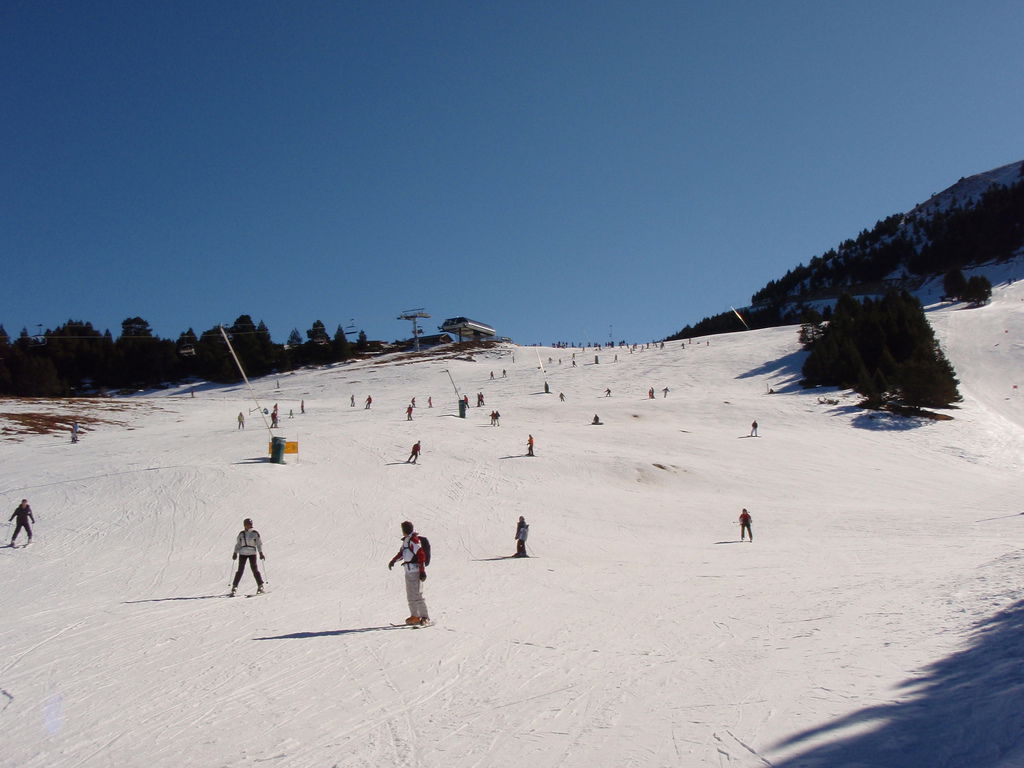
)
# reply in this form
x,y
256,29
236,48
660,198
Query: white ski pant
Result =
x,y
414,593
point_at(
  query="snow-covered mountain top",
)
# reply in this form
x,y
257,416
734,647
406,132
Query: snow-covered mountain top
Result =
x,y
970,189
874,621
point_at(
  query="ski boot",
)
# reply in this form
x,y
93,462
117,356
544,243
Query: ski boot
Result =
x,y
232,592
259,590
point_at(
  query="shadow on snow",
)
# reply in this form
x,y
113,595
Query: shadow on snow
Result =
x,y
330,633
789,366
966,709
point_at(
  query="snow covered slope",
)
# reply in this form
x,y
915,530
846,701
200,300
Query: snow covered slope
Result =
x,y
876,619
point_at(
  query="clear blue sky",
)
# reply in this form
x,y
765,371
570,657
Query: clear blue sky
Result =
x,y
560,170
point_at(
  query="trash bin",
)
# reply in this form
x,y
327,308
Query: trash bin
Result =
x,y
277,450
462,409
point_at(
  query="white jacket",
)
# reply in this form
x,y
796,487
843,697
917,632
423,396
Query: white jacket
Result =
x,y
248,542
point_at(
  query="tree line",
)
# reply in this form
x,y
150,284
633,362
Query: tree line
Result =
x,y
77,359
883,349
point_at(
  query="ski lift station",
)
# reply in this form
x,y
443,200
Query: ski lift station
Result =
x,y
467,329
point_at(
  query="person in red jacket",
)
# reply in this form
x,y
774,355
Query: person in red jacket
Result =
x,y
415,454
745,526
413,559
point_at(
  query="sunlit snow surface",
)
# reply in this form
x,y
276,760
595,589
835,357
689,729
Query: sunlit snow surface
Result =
x,y
875,621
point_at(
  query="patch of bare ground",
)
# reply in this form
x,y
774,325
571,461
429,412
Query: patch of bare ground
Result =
x,y
61,413
460,351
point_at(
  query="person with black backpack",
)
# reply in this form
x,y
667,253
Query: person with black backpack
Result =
x,y
415,557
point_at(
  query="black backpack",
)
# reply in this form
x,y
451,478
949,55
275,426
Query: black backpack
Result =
x,y
425,543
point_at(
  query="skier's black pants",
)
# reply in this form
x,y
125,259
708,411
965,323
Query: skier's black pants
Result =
x,y
241,567
746,527
520,548
17,530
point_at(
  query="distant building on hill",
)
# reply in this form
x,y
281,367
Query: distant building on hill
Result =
x,y
428,341
467,329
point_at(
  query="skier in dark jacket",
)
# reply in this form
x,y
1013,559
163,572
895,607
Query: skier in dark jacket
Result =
x,y
745,526
24,514
522,531
248,545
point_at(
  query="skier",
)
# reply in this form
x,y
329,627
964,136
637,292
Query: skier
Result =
x,y
302,406
522,531
608,392
596,421
745,526
273,417
497,418
561,396
369,402
430,402
415,453
248,544
23,512
413,559
664,392
408,413
352,401
650,393
753,429
241,420
529,445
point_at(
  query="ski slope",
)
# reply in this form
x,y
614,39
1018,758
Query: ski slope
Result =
x,y
875,621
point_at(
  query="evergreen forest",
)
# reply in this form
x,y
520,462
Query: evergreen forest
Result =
x,y
76,359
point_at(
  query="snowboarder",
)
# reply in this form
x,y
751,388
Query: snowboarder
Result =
x,y
522,531
753,429
248,545
745,526
23,512
413,559
415,454
529,445
241,420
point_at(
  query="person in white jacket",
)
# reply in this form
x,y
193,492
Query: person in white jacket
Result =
x,y
247,546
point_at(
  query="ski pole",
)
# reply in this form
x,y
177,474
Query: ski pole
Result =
x,y
266,572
